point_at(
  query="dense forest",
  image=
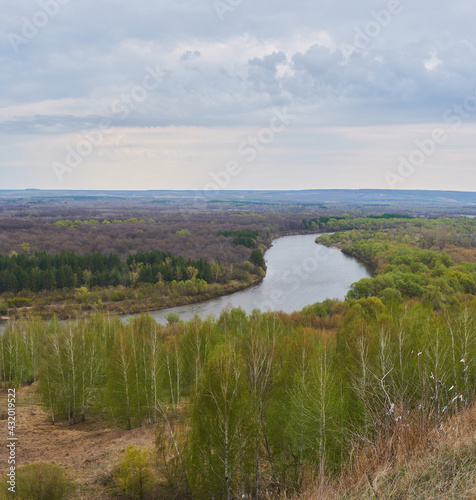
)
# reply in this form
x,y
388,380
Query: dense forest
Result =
x,y
69,270
249,404
167,265
191,234
331,398
431,259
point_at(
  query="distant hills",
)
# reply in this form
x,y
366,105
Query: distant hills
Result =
x,y
325,198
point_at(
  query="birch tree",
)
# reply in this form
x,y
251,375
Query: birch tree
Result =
x,y
220,416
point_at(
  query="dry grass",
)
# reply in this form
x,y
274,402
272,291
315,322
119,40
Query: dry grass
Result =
x,y
416,461
88,450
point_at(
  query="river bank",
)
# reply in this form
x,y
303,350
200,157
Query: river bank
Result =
x,y
140,300
67,304
342,248
299,273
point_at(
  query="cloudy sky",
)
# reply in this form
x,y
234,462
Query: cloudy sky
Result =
x,y
238,94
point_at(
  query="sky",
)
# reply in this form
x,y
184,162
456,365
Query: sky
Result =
x,y
238,94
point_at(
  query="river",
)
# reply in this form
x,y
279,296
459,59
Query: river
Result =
x,y
299,273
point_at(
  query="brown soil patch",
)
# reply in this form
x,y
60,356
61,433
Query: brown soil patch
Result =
x,y
88,450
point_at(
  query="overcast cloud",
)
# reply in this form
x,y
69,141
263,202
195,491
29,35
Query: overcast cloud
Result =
x,y
179,93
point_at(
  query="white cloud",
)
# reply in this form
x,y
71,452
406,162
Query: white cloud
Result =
x,y
222,76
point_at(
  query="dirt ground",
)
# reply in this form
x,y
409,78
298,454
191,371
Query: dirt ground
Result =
x,y
88,450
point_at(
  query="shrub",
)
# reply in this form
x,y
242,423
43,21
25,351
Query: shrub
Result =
x,y
133,472
41,481
19,302
172,318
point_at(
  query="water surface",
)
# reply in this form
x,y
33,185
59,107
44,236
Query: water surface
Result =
x,y
299,273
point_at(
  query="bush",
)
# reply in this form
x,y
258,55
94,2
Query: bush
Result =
x,y
133,472
3,308
19,302
40,481
172,318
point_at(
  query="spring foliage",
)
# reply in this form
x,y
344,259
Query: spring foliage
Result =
x,y
259,402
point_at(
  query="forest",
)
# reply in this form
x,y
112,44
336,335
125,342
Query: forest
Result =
x,y
434,260
78,265
69,270
373,396
249,404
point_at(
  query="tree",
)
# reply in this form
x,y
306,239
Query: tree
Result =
x,y
133,472
257,258
220,451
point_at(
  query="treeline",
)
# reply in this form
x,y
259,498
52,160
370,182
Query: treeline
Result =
x,y
163,266
385,221
260,403
77,222
334,223
408,272
83,231
320,222
245,237
70,270
403,269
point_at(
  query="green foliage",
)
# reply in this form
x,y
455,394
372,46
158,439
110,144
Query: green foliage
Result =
x,y
16,358
245,237
153,267
72,367
257,258
76,223
221,432
18,302
248,401
335,223
133,472
69,270
321,222
40,481
404,267
172,318
183,232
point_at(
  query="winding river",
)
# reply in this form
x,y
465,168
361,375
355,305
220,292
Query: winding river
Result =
x,y
299,273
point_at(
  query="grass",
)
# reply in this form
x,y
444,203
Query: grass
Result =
x,y
415,462
87,452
